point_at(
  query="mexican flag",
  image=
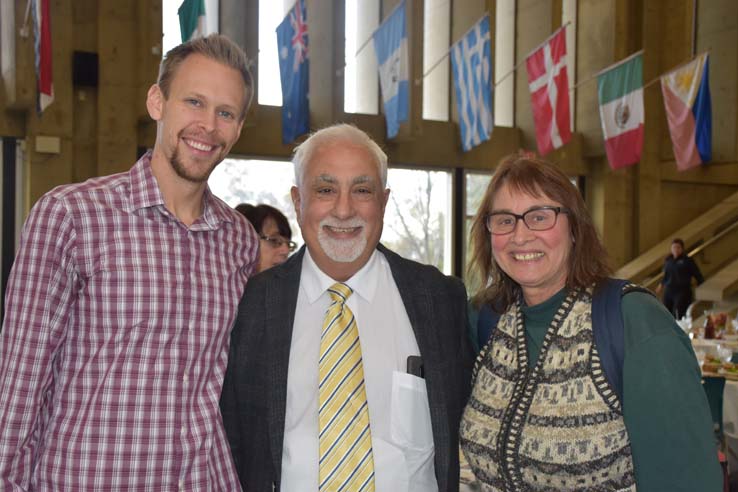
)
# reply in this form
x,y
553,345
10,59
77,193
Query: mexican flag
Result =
x,y
191,19
620,91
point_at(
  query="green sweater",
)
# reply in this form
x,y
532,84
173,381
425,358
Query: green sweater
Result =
x,y
664,408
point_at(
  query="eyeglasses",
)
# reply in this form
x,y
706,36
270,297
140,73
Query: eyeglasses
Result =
x,y
277,242
535,219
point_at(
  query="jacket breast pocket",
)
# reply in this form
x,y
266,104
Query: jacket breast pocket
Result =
x,y
410,422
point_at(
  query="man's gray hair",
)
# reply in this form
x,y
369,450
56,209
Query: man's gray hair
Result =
x,y
340,133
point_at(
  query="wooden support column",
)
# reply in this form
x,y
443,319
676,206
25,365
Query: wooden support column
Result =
x,y
322,71
647,216
117,108
55,125
601,41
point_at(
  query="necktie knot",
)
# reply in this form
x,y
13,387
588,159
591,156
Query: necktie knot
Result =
x,y
340,292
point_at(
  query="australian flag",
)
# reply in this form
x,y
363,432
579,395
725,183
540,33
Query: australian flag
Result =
x,y
294,68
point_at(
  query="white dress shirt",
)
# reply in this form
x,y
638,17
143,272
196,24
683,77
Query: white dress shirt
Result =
x,y
399,415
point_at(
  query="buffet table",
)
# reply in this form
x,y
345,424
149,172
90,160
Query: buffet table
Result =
x,y
721,390
730,423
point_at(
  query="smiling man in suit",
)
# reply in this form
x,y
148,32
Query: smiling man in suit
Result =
x,y
349,365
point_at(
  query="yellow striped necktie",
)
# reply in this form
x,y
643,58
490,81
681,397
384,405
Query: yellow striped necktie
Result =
x,y
346,461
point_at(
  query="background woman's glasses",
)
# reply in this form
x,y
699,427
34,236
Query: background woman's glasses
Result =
x,y
277,242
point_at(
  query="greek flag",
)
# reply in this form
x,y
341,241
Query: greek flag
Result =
x,y
472,69
390,44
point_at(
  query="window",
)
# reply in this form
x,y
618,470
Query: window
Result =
x,y
504,62
475,185
436,39
257,181
417,220
271,14
171,34
360,82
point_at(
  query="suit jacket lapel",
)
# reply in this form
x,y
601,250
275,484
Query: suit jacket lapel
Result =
x,y
281,300
420,310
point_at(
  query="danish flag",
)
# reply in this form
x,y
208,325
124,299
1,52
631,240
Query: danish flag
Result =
x,y
549,92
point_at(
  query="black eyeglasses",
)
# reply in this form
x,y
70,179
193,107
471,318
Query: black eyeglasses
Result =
x,y
277,242
535,219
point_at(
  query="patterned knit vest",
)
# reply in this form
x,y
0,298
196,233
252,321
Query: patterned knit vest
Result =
x,y
556,426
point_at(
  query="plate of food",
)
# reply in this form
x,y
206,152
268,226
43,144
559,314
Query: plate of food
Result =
x,y
729,370
712,364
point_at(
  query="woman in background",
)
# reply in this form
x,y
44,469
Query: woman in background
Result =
x,y
679,270
542,414
274,231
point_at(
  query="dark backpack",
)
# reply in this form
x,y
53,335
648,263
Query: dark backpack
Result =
x,y
607,327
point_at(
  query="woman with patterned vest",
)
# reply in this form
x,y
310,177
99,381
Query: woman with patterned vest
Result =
x,y
542,415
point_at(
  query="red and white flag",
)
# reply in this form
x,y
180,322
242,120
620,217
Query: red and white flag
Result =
x,y
42,33
549,92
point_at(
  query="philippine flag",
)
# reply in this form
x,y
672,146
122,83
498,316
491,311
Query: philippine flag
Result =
x,y
686,93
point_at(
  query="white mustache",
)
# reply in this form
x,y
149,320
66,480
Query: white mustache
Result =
x,y
342,224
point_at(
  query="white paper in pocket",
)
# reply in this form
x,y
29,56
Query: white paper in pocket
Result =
x,y
410,421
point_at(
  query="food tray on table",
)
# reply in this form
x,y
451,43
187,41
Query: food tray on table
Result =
x,y
717,369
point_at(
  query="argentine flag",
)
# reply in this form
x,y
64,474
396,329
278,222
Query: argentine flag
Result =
x,y
472,69
390,44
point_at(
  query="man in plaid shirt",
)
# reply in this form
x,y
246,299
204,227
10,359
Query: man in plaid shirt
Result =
x,y
121,300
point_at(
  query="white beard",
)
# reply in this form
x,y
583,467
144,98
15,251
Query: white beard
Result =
x,y
342,250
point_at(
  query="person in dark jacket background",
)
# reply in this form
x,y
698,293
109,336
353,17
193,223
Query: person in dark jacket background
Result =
x,y
679,269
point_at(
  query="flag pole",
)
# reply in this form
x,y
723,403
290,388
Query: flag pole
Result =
x,y
24,29
689,60
618,63
446,53
514,69
547,39
609,67
363,45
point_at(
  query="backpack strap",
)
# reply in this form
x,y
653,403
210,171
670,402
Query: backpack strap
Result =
x,y
486,322
608,328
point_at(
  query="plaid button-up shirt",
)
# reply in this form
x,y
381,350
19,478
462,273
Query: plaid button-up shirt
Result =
x,y
115,341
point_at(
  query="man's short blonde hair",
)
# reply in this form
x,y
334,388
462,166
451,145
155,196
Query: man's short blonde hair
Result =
x,y
215,47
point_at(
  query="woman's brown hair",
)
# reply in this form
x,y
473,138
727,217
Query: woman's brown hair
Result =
x,y
525,173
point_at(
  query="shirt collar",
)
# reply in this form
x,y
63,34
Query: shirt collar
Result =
x,y
144,190
316,282
215,212
145,193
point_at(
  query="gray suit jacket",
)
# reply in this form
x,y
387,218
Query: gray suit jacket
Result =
x,y
255,389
